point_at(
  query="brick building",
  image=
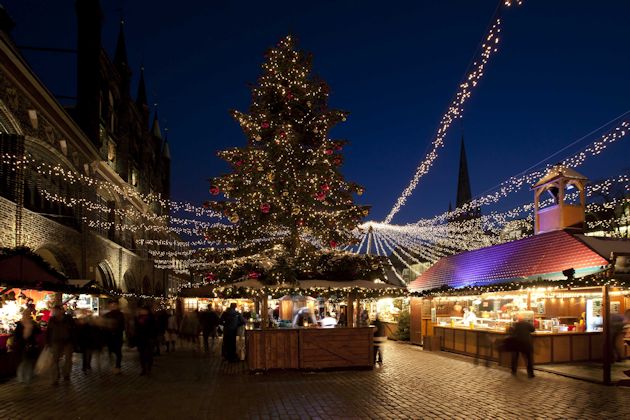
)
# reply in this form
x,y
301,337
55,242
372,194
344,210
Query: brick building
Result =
x,y
89,229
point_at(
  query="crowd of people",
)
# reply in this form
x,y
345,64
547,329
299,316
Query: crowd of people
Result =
x,y
50,350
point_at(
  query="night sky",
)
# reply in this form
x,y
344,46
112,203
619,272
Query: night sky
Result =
x,y
563,69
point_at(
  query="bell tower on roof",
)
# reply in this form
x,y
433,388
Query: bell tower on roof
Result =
x,y
563,205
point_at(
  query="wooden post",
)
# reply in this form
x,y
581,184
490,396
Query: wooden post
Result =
x,y
350,311
265,313
607,355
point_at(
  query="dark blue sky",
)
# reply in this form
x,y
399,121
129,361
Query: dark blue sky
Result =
x,y
563,69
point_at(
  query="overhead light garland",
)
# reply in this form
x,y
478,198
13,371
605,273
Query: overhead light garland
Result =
x,y
475,72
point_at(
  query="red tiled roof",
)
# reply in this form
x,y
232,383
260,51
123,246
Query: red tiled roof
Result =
x,y
537,255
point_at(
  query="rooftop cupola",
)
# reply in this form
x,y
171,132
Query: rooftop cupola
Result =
x,y
559,200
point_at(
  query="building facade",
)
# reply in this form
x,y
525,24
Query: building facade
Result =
x,y
82,198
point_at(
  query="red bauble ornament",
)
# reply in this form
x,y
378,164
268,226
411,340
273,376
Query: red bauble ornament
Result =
x,y
214,190
325,187
333,244
300,222
320,196
253,275
210,277
328,151
289,96
238,162
265,207
337,161
265,124
338,147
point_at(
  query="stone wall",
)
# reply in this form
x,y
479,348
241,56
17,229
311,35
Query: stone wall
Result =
x,y
49,238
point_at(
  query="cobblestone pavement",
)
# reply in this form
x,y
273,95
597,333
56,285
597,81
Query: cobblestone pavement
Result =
x,y
411,384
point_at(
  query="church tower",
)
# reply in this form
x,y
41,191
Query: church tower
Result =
x,y
464,194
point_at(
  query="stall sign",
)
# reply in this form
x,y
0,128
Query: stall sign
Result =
x,y
615,307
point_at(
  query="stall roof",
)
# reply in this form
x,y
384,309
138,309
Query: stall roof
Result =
x,y
545,255
605,246
28,271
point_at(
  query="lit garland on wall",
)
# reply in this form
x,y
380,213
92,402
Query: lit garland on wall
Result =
x,y
71,177
474,74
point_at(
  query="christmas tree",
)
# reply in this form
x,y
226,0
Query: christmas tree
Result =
x,y
286,193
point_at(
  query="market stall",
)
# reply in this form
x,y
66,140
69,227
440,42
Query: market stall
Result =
x,y
388,310
280,345
568,322
26,282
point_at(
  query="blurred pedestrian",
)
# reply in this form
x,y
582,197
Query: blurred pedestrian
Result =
x,y
189,328
230,320
25,344
209,321
617,334
380,337
161,319
146,333
86,339
60,336
520,342
171,331
364,318
115,329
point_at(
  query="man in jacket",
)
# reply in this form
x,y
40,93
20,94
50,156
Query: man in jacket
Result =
x,y
231,320
521,337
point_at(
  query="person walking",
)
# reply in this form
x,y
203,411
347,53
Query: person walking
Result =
x,y
380,337
521,343
146,333
231,320
189,329
116,327
25,339
161,319
60,336
86,339
209,321
171,332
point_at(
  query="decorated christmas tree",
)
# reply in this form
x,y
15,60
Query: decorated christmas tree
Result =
x,y
285,197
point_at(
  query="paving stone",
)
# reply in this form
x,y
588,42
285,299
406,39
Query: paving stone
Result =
x,y
411,384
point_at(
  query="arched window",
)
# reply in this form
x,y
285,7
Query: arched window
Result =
x,y
105,276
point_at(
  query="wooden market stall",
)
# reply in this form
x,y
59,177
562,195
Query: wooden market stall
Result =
x,y
309,348
24,277
560,279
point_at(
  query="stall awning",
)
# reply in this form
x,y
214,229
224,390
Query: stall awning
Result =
x,y
28,271
545,255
